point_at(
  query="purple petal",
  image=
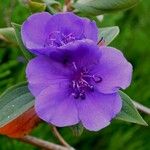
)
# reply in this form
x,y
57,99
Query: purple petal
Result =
x,y
97,110
114,69
90,30
42,72
33,31
56,107
82,52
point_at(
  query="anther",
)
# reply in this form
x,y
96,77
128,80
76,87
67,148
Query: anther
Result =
x,y
82,95
75,95
74,65
91,87
97,78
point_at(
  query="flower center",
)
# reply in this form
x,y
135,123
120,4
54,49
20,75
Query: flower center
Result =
x,y
82,82
58,39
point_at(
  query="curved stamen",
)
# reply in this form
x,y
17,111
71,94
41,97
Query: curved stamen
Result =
x,y
82,82
58,39
75,95
82,95
87,84
97,78
74,65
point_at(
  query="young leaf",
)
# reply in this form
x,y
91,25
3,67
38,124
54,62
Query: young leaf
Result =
x,y
8,34
14,102
52,6
36,6
129,113
77,129
98,7
108,34
25,52
22,125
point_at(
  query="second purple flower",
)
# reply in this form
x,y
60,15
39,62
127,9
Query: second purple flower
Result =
x,y
43,33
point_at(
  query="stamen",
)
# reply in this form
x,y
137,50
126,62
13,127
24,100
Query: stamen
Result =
x,y
74,65
82,95
82,81
92,87
75,95
97,78
87,84
74,84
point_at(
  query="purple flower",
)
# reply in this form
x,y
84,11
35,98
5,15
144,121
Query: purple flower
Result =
x,y
81,86
43,33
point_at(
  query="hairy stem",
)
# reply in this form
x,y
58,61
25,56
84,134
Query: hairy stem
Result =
x,y
59,137
141,108
42,144
68,4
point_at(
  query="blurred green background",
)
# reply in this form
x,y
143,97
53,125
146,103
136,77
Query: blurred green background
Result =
x,y
134,40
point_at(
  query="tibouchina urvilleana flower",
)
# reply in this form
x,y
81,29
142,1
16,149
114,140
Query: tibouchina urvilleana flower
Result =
x,y
43,33
81,85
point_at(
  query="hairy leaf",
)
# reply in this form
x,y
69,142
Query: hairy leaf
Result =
x,y
108,34
129,113
97,7
25,52
8,34
14,102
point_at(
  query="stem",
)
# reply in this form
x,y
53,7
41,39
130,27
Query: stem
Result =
x,y
8,13
42,144
59,137
67,6
142,108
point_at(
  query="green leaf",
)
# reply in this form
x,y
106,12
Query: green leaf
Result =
x,y
36,6
77,129
97,7
14,102
129,113
8,34
53,6
52,2
25,52
108,34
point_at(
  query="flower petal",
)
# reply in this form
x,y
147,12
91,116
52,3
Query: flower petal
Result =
x,y
42,72
114,69
97,110
56,107
33,31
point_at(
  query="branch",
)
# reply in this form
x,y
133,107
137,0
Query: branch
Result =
x,y
59,137
142,108
43,144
